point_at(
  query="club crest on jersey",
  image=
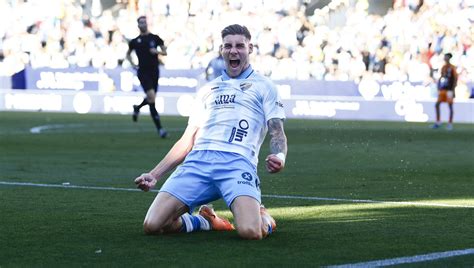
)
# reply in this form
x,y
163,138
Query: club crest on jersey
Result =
x,y
245,85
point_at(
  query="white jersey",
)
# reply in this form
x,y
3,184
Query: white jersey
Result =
x,y
232,114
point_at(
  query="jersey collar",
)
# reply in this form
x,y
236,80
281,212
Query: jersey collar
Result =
x,y
244,75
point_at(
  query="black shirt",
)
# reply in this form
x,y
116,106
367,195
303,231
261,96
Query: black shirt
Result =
x,y
142,44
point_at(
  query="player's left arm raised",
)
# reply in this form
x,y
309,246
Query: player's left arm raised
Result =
x,y
275,161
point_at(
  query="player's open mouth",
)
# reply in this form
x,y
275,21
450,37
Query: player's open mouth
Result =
x,y
234,63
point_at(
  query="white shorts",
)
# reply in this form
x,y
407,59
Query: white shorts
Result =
x,y
206,176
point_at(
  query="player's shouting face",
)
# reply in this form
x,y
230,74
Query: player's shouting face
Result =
x,y
236,50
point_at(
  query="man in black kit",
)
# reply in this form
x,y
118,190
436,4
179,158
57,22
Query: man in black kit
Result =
x,y
145,46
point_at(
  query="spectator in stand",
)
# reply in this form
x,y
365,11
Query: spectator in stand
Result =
x,y
62,36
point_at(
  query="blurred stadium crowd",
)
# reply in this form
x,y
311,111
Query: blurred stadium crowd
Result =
x,y
341,41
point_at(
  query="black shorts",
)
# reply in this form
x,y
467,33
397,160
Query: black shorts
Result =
x,y
148,79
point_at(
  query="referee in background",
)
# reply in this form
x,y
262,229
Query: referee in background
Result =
x,y
146,48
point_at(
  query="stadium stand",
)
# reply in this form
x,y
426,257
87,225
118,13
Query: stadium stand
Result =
x,y
405,44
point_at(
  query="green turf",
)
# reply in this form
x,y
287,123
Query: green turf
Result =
x,y
384,161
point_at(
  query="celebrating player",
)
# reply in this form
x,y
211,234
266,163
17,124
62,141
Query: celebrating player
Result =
x,y
145,46
219,151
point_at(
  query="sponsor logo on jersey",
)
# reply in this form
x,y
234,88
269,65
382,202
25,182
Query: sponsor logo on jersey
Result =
x,y
279,104
238,133
224,99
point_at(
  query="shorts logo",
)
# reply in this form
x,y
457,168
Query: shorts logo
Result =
x,y
279,104
238,134
247,176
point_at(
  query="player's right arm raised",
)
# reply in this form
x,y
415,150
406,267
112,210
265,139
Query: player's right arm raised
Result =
x,y
172,159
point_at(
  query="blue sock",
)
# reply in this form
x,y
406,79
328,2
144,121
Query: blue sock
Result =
x,y
194,223
270,229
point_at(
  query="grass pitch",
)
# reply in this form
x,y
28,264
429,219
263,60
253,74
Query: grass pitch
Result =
x,y
383,161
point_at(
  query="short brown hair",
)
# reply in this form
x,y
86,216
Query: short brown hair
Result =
x,y
236,29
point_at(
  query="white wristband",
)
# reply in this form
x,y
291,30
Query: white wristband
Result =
x,y
281,156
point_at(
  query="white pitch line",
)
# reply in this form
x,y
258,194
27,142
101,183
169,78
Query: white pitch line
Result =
x,y
43,128
67,185
405,260
39,129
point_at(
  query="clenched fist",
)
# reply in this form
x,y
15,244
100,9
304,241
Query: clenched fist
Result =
x,y
274,164
145,182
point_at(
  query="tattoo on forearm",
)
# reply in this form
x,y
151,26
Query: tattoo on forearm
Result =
x,y
277,136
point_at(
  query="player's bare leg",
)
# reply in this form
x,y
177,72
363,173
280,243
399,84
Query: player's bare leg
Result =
x,y
250,221
451,114
437,124
163,216
167,214
438,113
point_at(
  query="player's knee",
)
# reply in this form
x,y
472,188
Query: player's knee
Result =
x,y
250,232
151,228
